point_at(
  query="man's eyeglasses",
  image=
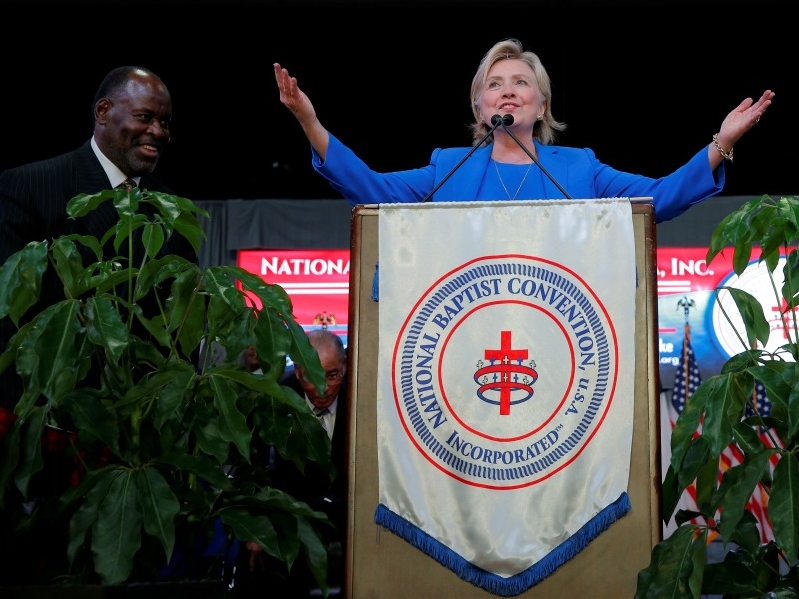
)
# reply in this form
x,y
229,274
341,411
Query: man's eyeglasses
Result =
x,y
333,375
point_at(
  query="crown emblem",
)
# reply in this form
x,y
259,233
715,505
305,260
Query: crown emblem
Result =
x,y
324,319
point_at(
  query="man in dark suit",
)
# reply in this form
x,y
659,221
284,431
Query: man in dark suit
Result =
x,y
314,486
331,408
132,114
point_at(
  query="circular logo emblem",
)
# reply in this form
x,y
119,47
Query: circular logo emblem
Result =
x,y
728,326
504,370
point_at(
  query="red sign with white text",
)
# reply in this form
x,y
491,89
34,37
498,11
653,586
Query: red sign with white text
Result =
x,y
317,281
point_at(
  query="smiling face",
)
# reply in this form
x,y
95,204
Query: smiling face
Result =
x,y
511,88
132,124
508,57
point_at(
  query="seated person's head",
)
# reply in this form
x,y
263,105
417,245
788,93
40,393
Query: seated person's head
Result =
x,y
252,358
333,358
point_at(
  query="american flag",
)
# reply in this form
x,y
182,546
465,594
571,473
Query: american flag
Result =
x,y
686,381
761,402
688,377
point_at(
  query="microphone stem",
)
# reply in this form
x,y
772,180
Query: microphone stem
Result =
x,y
534,159
462,160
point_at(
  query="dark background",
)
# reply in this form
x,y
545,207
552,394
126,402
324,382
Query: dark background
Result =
x,y
644,84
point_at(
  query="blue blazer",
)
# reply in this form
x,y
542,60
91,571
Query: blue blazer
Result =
x,y
578,171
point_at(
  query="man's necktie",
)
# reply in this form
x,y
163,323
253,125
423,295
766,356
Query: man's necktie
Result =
x,y
127,184
320,414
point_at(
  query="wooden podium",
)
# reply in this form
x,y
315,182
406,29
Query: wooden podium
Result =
x,y
380,565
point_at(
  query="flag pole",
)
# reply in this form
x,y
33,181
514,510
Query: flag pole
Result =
x,y
685,343
686,304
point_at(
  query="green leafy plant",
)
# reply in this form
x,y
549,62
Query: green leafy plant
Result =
x,y
160,451
715,417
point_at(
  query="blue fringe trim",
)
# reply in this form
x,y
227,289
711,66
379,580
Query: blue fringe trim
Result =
x,y
519,583
376,282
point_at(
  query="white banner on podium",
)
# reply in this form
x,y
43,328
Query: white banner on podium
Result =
x,y
505,381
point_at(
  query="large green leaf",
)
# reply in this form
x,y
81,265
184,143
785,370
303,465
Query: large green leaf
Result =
x,y
21,280
738,484
84,203
204,425
303,353
272,297
272,342
167,205
287,527
725,403
285,422
736,230
696,459
48,357
200,466
688,422
670,494
105,328
69,266
180,214
790,286
189,227
735,575
95,488
122,233
315,553
780,381
147,389
707,479
784,504
229,330
747,534
9,458
187,311
249,526
153,238
159,507
292,527
676,569
746,436
91,416
232,424
32,426
109,278
222,288
116,534
755,323
173,396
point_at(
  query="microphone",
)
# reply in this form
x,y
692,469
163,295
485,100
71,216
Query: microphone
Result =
x,y
506,121
496,121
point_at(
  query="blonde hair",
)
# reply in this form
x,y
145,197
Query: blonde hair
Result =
x,y
545,130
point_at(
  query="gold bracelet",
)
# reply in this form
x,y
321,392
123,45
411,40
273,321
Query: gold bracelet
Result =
x,y
726,155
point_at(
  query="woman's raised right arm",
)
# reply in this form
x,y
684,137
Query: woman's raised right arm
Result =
x,y
293,98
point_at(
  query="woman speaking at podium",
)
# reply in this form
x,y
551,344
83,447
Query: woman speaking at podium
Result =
x,y
513,156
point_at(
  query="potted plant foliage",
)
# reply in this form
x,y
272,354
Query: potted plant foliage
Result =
x,y
156,457
716,416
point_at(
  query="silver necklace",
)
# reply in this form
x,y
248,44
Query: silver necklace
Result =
x,y
518,189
